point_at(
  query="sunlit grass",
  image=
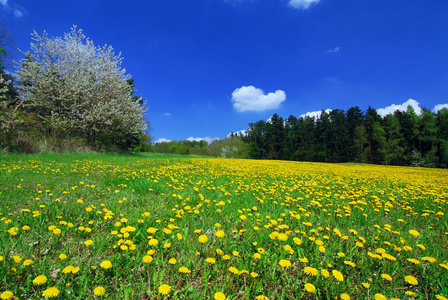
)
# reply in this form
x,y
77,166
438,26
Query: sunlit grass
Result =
x,y
153,226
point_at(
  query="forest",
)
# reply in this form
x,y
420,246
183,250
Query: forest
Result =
x,y
402,138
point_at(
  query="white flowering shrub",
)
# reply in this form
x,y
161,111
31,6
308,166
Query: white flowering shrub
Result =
x,y
79,90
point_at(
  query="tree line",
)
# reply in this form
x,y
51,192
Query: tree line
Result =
x,y
401,138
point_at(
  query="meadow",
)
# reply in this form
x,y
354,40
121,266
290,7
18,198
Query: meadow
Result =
x,y
100,226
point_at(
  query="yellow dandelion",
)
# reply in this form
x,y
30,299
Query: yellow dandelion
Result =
x,y
164,289
311,271
210,260
380,297
285,263
386,277
325,273
99,291
338,275
414,232
310,288
27,262
6,295
220,233
411,280
184,270
39,280
106,264
147,259
345,296
440,297
62,256
88,242
203,239
67,269
233,270
262,297
254,274
219,296
51,292
429,259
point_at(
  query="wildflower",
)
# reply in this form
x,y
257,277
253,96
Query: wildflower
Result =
x,y
297,241
429,259
442,265
167,245
366,285
27,262
62,256
345,296
380,297
285,263
226,257
88,242
233,270
219,296
57,231
164,289
51,292
341,255
220,233
67,269
254,274
184,270
179,236
310,271
386,277
147,259
414,261
172,261
210,260
411,280
99,291
17,258
338,275
303,259
39,280
310,288
421,246
440,297
414,232
6,295
325,273
151,230
203,239
106,264
262,297
409,293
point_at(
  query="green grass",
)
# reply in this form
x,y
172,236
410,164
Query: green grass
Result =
x,y
357,213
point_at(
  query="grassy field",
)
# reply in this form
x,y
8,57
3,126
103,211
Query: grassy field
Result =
x,y
89,226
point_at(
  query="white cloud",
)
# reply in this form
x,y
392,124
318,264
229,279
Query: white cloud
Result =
x,y
439,107
302,4
4,3
242,132
198,139
315,114
167,114
18,13
162,140
401,107
335,50
250,98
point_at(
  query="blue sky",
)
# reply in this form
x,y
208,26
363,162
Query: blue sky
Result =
x,y
210,67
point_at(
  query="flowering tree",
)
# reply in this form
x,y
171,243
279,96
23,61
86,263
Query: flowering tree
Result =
x,y
79,90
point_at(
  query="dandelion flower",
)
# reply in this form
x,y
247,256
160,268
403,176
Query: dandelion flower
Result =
x,y
17,258
254,274
410,293
310,288
310,271
345,296
262,297
414,232
51,292
203,239
386,277
285,263
233,270
440,297
429,259
210,260
147,259
219,296
164,289
39,280
220,233
338,275
366,285
99,291
172,261
411,280
380,297
106,264
62,256
88,242
325,273
184,270
27,262
303,259
68,269
6,295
